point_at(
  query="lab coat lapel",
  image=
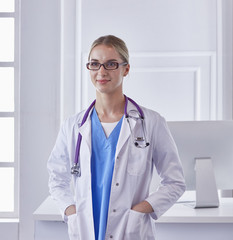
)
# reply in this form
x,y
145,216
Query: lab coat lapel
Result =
x,y
85,131
125,132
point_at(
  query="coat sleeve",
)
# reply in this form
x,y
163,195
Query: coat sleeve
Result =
x,y
169,168
58,166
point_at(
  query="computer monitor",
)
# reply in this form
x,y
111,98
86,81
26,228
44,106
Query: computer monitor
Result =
x,y
205,139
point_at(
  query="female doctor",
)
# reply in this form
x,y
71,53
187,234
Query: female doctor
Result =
x,y
112,149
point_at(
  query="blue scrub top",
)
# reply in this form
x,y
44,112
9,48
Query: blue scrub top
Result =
x,y
102,165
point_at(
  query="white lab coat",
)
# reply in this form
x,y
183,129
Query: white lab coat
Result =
x,y
130,181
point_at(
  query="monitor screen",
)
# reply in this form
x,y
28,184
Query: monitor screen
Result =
x,y
205,139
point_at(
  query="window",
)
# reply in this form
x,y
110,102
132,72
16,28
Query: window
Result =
x,y
9,107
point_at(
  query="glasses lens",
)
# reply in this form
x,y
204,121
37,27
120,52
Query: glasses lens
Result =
x,y
111,65
93,65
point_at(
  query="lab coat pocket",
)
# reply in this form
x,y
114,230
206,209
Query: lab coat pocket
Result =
x,y
137,160
134,225
138,227
73,227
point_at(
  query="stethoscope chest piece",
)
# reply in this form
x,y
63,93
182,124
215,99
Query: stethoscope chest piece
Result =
x,y
76,170
138,136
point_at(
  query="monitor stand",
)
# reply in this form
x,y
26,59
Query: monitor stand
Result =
x,y
206,188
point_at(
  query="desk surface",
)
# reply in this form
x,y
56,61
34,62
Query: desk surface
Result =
x,y
178,213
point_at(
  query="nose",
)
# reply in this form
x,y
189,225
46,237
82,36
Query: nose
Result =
x,y
102,70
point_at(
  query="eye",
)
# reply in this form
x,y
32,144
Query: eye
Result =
x,y
94,64
111,64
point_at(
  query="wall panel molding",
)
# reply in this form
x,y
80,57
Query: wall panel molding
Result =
x,y
206,104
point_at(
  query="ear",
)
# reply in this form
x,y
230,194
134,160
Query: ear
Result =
x,y
127,68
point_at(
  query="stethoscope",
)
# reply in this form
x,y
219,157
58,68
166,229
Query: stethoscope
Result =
x,y
139,142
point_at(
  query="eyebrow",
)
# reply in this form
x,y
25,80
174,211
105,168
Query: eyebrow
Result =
x,y
110,60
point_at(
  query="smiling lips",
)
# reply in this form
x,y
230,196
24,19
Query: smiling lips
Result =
x,y
102,81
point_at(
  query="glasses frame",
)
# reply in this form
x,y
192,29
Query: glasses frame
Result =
x,y
103,64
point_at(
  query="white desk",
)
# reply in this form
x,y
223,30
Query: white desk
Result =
x,y
180,222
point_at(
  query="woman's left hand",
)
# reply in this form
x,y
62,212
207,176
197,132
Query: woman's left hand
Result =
x,y
143,207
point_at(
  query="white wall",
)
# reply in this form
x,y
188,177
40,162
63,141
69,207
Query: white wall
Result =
x,y
227,54
39,90
9,229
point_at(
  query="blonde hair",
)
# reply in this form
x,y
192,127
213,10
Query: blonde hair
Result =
x,y
115,42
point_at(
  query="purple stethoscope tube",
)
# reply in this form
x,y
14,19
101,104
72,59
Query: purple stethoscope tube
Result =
x,y
76,167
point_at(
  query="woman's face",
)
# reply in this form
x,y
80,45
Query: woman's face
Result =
x,y
107,81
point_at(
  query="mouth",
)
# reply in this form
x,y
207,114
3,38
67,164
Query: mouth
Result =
x,y
102,81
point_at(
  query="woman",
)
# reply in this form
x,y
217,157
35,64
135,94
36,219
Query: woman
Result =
x,y
110,198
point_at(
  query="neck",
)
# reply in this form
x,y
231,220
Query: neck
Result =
x,y
109,107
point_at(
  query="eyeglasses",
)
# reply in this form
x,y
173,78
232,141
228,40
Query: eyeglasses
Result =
x,y
95,66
